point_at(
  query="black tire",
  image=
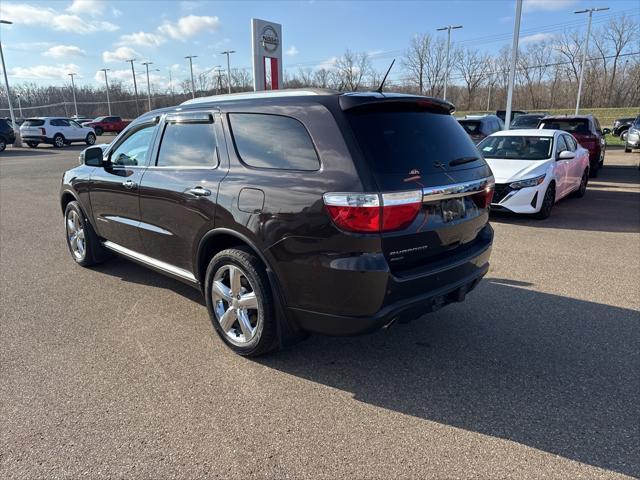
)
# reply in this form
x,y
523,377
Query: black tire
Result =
x,y
593,171
91,139
3,144
547,202
58,140
627,149
98,131
94,252
265,338
583,185
33,144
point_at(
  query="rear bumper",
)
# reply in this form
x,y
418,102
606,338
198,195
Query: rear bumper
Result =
x,y
406,297
32,138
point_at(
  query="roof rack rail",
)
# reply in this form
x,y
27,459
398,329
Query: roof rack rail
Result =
x,y
293,92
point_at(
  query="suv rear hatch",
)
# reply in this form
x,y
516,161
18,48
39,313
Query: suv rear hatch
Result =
x,y
578,127
33,127
422,159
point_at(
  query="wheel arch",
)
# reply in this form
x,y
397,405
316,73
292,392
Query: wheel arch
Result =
x,y
66,198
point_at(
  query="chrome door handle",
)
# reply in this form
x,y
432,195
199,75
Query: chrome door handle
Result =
x,y
129,184
199,191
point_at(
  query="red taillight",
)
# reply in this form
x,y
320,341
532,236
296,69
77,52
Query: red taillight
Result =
x,y
43,131
483,198
371,212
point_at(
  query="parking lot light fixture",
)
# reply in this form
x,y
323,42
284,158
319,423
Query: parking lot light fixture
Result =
x,y
73,89
228,54
585,50
146,64
18,140
514,61
106,82
135,84
193,84
448,28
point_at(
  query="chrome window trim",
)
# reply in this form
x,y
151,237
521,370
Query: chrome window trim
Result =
x,y
457,190
153,262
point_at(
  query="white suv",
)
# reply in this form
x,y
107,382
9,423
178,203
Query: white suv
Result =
x,y
57,131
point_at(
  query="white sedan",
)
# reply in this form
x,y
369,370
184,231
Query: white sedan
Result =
x,y
534,169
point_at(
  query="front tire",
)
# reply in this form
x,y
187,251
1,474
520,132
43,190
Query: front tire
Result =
x,y
547,202
58,141
240,302
91,139
82,241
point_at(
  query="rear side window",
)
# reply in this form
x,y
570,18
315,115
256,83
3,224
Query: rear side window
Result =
x,y
188,145
398,141
33,122
471,127
273,141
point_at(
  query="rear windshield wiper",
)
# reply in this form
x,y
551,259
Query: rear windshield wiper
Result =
x,y
461,160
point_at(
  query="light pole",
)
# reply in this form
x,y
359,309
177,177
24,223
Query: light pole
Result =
x,y
18,140
193,84
106,82
514,60
228,54
146,64
19,105
135,85
448,28
73,89
586,48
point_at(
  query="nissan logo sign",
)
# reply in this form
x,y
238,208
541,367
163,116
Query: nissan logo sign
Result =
x,y
270,39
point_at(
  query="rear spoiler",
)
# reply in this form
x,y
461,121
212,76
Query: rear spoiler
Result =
x,y
351,101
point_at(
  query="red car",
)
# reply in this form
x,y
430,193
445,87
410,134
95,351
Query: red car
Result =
x,y
586,130
107,124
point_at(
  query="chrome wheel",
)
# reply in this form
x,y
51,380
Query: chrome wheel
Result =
x,y
91,139
235,305
76,235
59,141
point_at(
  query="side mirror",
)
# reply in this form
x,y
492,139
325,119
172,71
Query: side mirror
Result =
x,y
566,155
606,131
93,157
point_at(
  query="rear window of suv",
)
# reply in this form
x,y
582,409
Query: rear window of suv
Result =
x,y
33,122
399,141
578,125
273,141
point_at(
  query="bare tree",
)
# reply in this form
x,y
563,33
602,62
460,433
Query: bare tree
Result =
x,y
472,67
416,58
351,69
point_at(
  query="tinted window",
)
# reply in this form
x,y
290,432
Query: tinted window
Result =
x,y
273,141
571,142
56,122
397,142
562,145
471,126
525,121
516,147
188,145
133,150
33,122
579,125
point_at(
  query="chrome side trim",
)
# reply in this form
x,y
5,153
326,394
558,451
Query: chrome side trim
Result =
x,y
159,264
457,190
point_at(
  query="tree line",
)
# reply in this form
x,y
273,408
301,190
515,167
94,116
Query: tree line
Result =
x,y
547,76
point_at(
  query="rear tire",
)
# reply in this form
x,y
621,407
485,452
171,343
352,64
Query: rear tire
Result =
x,y
3,144
58,141
248,330
82,241
627,149
593,171
33,144
98,131
583,185
547,202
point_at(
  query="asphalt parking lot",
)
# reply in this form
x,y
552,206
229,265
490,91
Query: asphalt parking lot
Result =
x,y
116,371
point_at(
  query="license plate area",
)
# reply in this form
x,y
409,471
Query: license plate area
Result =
x,y
452,209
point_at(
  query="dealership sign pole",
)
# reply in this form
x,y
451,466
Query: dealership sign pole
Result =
x,y
514,60
266,49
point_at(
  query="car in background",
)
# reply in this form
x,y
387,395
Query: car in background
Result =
x,y
527,120
56,131
633,137
534,168
502,114
7,134
587,131
480,126
108,124
621,127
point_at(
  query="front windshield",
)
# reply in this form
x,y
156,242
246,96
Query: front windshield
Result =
x,y
517,147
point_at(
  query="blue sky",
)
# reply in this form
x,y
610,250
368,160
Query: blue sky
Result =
x,y
49,39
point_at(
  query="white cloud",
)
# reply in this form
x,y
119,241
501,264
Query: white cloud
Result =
x,y
37,72
115,12
328,64
62,51
124,76
87,7
292,51
547,5
119,54
25,14
143,39
189,26
537,37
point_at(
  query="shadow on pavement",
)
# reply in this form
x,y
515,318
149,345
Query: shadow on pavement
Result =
x,y
549,372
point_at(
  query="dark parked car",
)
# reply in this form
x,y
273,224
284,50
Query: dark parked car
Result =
x,y
621,127
480,127
528,120
586,130
306,211
7,135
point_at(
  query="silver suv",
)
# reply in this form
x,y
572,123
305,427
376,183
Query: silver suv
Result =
x,y
56,131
